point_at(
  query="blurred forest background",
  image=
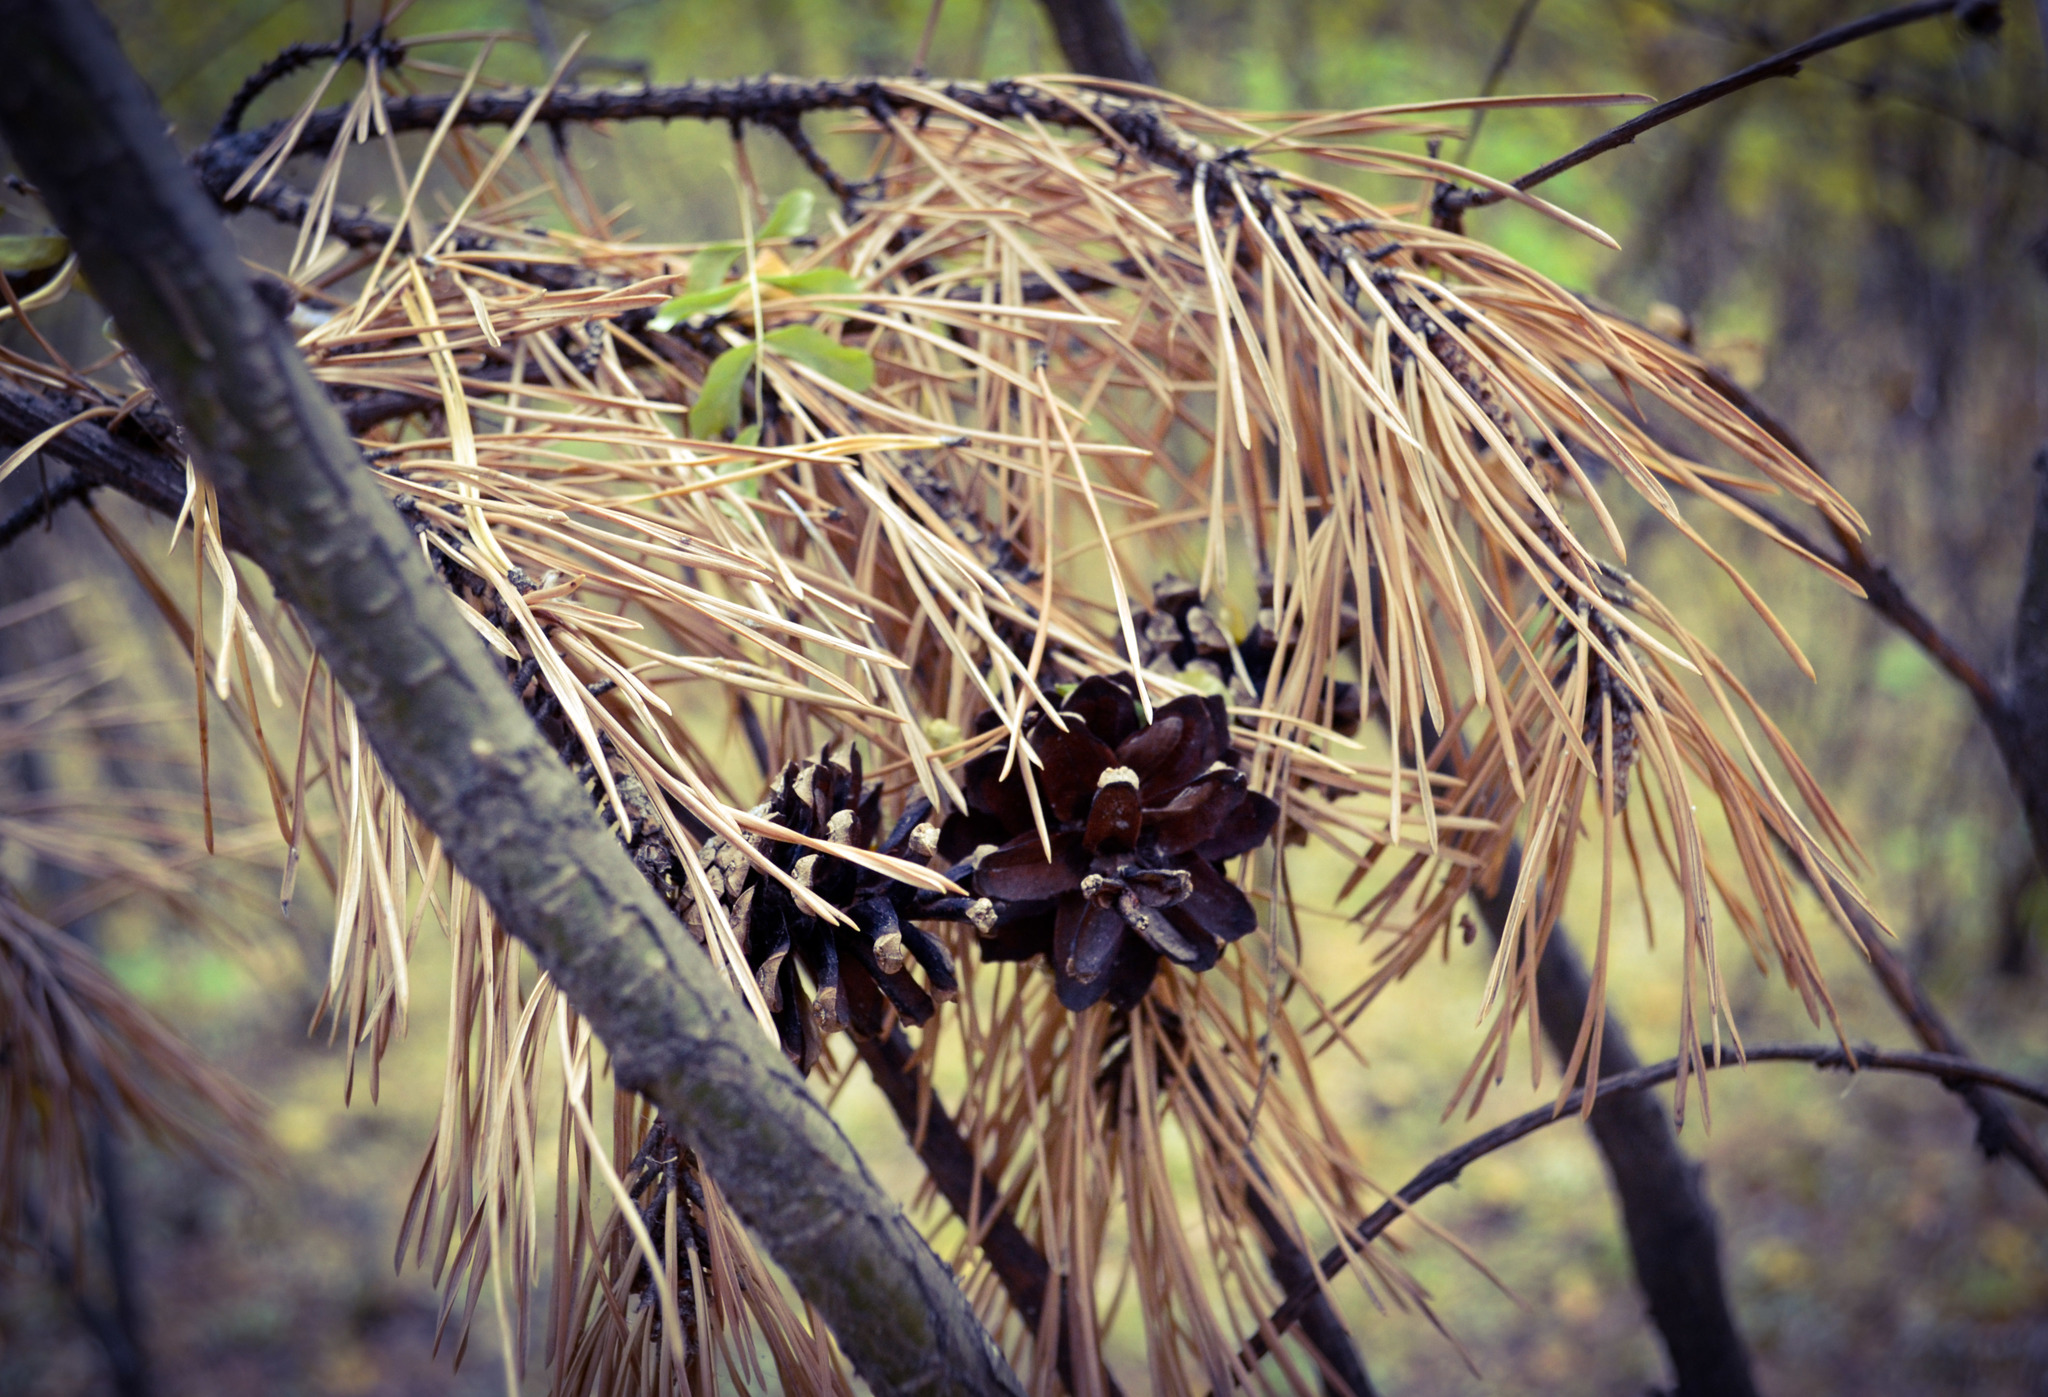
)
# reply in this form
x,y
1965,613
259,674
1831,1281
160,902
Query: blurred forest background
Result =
x,y
1865,248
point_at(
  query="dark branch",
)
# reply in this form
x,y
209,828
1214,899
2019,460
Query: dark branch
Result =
x,y
130,461
1673,1236
949,1160
1320,1323
2023,736
770,103
1097,40
1955,1073
44,505
1977,14
294,57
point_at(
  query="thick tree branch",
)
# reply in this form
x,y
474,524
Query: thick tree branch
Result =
x,y
1673,1238
1097,40
2023,735
1981,16
949,1160
454,739
1954,1073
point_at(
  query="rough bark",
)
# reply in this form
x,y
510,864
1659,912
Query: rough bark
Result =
x,y
1672,1236
450,733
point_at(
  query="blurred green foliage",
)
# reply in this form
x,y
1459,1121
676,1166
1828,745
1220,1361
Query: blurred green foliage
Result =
x,y
1867,245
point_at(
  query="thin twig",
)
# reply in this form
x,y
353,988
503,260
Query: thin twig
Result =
x,y
1952,1072
1977,14
46,502
1505,55
293,57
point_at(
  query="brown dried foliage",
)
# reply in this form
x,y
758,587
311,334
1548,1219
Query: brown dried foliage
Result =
x,y
1059,341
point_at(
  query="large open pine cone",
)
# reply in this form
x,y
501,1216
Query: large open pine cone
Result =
x,y
1140,817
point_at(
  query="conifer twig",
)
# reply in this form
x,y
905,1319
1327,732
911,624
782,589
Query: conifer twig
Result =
x,y
1981,16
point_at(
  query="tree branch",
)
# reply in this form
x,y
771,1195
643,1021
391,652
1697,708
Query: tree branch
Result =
x,y
1673,1236
770,103
1979,15
453,738
949,1160
1954,1073
2023,734
148,476
44,505
1097,40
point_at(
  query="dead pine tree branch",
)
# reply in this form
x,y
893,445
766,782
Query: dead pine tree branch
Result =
x,y
95,456
1978,16
1952,1072
455,740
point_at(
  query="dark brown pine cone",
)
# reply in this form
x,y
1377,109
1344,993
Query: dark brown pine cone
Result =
x,y
1141,818
858,972
1181,637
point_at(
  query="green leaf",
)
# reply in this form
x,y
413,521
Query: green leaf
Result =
x,y
749,435
820,281
28,252
711,266
695,303
792,216
814,349
718,405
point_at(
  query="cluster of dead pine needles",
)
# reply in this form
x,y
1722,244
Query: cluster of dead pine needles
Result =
x,y
868,472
